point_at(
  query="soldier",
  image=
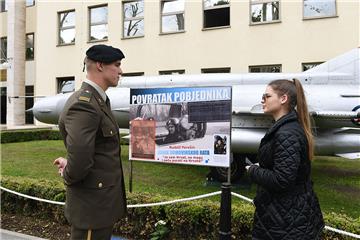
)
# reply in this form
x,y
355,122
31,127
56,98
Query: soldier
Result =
x,y
92,172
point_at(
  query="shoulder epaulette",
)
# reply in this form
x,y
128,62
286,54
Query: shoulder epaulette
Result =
x,y
85,96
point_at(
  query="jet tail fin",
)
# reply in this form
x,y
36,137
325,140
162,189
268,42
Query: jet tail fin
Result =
x,y
341,69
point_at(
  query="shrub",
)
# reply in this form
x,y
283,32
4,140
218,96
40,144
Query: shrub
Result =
x,y
29,135
33,135
188,220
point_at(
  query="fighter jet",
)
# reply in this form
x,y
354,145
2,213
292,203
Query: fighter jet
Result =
x,y
332,90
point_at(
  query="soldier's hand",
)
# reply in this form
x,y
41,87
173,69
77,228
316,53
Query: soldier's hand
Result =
x,y
61,164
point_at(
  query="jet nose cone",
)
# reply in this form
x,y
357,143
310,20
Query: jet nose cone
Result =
x,y
47,110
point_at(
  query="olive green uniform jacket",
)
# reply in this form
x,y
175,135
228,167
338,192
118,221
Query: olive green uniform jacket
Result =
x,y
95,192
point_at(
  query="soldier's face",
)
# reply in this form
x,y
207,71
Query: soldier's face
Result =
x,y
112,73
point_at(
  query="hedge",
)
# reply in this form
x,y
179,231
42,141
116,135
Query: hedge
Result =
x,y
29,135
34,135
190,220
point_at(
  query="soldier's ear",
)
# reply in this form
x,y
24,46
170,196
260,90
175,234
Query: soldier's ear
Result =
x,y
99,66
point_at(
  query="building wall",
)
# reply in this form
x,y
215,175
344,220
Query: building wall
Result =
x,y
290,42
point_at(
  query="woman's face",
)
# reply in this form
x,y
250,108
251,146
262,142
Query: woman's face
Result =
x,y
272,103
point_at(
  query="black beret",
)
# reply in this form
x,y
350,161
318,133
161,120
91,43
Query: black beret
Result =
x,y
104,53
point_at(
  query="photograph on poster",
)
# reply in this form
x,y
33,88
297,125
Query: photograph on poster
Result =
x,y
191,125
143,139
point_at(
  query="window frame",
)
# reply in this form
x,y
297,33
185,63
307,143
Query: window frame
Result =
x,y
64,79
133,74
33,47
257,2
172,72
33,4
212,8
170,14
320,17
131,18
97,23
65,28
313,63
216,70
2,60
263,66
3,6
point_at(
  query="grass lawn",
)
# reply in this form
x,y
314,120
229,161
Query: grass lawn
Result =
x,y
337,180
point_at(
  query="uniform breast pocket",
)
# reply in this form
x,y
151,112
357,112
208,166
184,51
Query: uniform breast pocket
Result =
x,y
108,131
109,139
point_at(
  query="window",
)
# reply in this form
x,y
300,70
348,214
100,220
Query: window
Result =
x,y
132,74
29,54
265,68
264,11
65,84
98,29
307,66
29,102
319,9
216,13
133,23
3,104
216,70
3,49
172,72
3,6
30,3
172,16
66,27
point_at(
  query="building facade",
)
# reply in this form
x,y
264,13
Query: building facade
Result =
x,y
175,37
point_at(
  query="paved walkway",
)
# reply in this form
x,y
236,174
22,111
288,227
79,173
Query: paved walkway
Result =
x,y
9,235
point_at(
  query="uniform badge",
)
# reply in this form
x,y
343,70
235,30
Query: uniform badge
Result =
x,y
85,96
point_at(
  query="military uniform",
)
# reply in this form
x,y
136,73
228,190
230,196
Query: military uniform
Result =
x,y
95,192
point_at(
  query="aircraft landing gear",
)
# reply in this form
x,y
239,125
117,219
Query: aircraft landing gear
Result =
x,y
237,168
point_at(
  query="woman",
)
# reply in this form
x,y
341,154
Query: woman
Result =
x,y
286,205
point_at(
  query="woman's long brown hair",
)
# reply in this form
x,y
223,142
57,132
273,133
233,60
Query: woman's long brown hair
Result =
x,y
297,99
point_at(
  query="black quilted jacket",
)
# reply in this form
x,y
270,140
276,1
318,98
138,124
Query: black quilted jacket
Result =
x,y
286,205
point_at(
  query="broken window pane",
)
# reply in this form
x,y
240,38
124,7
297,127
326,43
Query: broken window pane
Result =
x,y
316,8
265,12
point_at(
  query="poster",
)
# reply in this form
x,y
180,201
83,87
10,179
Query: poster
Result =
x,y
181,125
